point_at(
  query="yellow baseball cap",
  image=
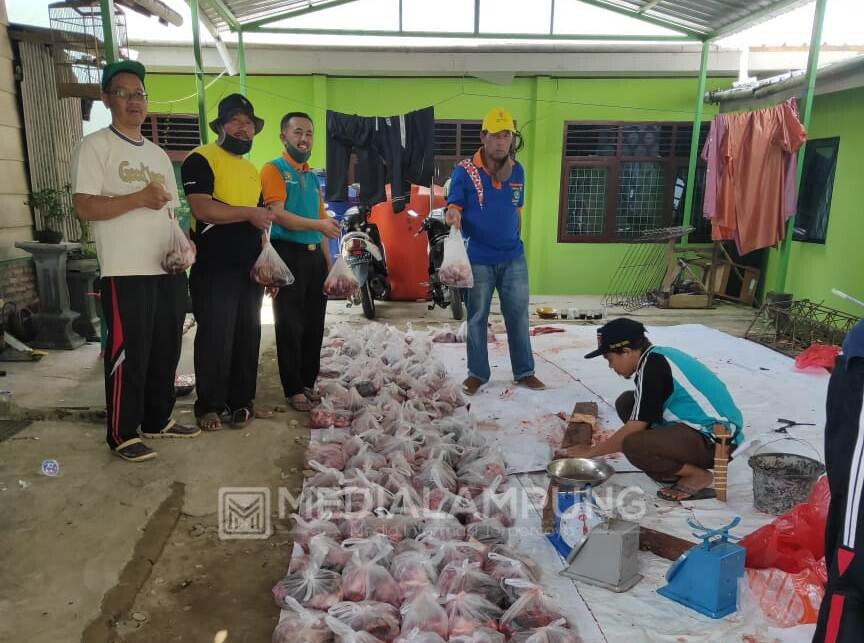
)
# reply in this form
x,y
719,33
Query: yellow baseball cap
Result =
x,y
498,120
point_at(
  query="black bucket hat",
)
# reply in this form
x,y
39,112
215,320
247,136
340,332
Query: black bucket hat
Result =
x,y
232,104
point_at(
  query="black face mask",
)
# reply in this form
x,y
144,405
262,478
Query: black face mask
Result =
x,y
236,146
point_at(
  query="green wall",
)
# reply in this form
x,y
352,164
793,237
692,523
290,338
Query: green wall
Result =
x,y
814,269
540,105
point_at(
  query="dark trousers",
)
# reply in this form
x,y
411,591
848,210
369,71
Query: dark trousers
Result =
x,y
403,143
841,617
661,451
227,306
144,316
298,311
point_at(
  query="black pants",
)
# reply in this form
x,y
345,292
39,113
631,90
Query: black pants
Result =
x,y
661,451
402,143
227,307
145,316
841,617
299,311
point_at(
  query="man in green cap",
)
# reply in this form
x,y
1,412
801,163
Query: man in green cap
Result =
x,y
124,186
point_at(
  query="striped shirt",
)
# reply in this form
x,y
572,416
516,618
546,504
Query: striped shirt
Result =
x,y
674,388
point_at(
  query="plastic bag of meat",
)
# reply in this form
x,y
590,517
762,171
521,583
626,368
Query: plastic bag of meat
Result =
x,y
482,635
301,624
345,634
489,531
483,471
496,502
355,400
324,476
556,632
312,587
457,425
378,619
269,269
374,548
366,458
443,526
436,473
317,502
440,499
418,636
397,527
180,254
445,336
304,530
341,283
326,415
440,447
333,390
423,611
454,551
327,454
455,270
414,569
324,549
502,564
468,612
368,580
363,495
469,577
531,610
364,421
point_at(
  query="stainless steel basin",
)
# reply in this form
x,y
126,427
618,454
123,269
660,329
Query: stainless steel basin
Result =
x,y
578,472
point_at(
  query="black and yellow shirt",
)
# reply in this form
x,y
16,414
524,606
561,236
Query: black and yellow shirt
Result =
x,y
231,180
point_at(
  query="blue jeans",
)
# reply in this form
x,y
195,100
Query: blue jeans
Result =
x,y
511,281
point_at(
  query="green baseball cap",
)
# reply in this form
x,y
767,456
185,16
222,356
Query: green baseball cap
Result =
x,y
120,67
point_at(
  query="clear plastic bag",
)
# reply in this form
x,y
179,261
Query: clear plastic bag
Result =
x,y
313,587
301,624
341,283
378,619
469,577
503,563
455,270
181,251
368,580
324,476
531,610
346,634
269,269
317,502
556,632
483,635
419,636
423,612
376,547
327,454
468,612
304,530
414,569
489,531
444,526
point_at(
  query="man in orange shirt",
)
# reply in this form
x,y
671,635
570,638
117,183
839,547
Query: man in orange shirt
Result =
x,y
292,192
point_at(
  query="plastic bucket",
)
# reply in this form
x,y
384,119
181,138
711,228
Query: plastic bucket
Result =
x,y
783,480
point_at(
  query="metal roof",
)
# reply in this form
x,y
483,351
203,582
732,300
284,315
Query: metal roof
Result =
x,y
701,19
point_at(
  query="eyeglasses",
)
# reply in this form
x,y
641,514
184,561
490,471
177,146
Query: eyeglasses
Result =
x,y
127,95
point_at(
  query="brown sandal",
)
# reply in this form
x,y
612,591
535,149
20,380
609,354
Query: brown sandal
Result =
x,y
209,422
300,403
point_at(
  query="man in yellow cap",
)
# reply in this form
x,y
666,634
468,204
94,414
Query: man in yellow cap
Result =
x,y
485,201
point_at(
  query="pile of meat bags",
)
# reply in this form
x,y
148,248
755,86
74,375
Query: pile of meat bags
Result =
x,y
405,520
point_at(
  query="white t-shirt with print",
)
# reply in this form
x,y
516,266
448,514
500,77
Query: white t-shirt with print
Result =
x,y
106,163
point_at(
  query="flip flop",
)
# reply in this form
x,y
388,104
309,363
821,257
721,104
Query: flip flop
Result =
x,y
174,430
134,450
263,414
312,396
209,422
241,418
300,403
691,494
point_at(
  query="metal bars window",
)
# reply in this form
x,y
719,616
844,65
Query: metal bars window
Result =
x,y
621,179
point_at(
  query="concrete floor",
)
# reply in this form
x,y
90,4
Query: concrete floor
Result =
x,y
111,551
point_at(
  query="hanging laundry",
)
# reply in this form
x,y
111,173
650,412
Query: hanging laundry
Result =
x,y
750,185
395,149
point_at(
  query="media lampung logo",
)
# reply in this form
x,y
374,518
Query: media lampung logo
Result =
x,y
244,513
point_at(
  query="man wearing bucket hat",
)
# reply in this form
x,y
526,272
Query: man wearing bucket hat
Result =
x,y
224,194
670,417
485,200
841,616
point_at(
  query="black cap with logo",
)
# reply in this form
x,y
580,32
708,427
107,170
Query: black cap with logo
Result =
x,y
231,105
617,334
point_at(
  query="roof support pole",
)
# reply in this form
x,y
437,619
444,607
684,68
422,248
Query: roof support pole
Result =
x,y
806,113
694,138
241,60
476,16
109,35
199,71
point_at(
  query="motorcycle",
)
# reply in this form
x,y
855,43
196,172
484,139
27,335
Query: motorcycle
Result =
x,y
363,252
437,231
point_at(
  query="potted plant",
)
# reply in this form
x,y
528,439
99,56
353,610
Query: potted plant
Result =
x,y
53,206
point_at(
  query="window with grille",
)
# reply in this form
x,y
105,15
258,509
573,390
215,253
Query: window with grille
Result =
x,y
177,134
620,180
454,141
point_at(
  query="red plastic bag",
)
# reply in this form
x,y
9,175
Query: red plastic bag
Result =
x,y
818,355
794,541
788,599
